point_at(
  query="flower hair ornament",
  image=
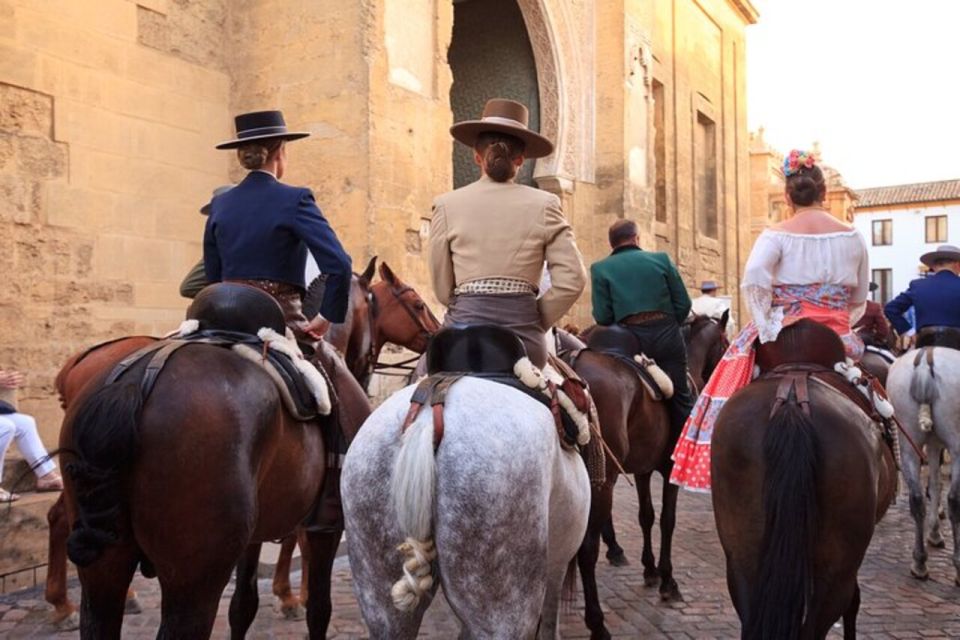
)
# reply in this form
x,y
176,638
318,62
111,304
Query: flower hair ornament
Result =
x,y
797,160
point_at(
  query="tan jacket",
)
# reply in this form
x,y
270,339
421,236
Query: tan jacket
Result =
x,y
491,229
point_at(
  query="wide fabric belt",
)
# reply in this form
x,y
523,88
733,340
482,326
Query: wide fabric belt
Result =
x,y
495,286
644,317
939,337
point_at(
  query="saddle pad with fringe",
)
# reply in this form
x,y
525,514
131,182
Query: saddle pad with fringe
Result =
x,y
659,390
306,394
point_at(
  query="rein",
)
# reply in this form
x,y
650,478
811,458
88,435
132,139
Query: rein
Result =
x,y
404,367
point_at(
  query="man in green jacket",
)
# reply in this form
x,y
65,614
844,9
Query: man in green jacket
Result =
x,y
643,292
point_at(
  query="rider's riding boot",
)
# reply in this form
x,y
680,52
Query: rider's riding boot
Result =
x,y
328,514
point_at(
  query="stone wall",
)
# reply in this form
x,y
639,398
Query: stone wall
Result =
x,y
106,116
109,112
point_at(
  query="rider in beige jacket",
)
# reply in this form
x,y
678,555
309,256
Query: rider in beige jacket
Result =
x,y
489,240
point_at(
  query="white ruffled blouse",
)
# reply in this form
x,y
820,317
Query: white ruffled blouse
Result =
x,y
784,258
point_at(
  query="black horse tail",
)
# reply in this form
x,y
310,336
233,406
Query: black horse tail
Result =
x,y
105,437
785,586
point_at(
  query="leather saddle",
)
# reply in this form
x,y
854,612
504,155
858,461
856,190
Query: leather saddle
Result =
x,y
619,342
808,349
481,351
230,314
231,306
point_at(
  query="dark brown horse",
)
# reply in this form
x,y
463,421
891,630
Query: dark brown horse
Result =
x,y
389,311
800,478
187,484
637,430
706,340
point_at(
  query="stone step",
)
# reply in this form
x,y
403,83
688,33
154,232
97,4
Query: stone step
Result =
x,y
15,469
23,533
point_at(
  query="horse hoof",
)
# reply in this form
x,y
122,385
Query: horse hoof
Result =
x,y
292,612
651,579
70,622
671,595
132,607
618,560
603,634
919,575
937,544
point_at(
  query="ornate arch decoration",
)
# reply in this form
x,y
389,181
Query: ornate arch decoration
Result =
x,y
562,38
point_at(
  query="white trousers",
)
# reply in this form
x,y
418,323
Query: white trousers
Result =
x,y
23,429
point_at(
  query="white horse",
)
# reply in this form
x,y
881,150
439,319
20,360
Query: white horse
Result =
x,y
496,514
928,405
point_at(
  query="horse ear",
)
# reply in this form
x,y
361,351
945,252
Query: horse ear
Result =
x,y
367,275
387,273
724,319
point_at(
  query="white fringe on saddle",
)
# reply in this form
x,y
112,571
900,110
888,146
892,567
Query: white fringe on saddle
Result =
x,y
659,376
538,379
854,375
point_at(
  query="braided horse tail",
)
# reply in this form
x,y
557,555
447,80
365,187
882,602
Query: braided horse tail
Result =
x,y
923,387
412,493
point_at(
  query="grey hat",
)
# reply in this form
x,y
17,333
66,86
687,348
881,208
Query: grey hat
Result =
x,y
708,285
943,252
219,191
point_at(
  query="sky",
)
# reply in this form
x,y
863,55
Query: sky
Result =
x,y
875,82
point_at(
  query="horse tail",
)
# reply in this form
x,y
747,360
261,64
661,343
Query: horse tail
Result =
x,y
105,439
784,589
923,388
412,492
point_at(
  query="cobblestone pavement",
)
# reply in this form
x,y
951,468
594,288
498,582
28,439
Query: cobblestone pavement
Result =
x,y
894,605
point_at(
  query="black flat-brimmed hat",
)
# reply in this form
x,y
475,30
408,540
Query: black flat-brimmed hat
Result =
x,y
260,125
943,252
503,116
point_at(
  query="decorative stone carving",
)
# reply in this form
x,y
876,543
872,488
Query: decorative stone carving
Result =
x,y
562,37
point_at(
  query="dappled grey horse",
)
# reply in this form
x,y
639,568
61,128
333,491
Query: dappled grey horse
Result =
x,y
923,388
495,516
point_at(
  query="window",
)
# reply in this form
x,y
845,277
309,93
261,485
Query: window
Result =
x,y
882,232
660,152
884,280
705,164
936,228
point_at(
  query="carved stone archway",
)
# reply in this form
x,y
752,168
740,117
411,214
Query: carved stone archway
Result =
x,y
563,41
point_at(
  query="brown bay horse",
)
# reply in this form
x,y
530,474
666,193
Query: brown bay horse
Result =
x,y
637,431
800,478
401,317
706,340
186,484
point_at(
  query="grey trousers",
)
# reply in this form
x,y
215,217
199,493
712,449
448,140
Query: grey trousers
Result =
x,y
517,312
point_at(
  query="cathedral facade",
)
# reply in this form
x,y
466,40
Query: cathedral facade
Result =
x,y
109,113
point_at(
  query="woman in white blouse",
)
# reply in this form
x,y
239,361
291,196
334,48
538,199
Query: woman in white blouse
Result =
x,y
809,266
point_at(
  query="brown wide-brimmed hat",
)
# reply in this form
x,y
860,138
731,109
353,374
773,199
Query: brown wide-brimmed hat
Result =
x,y
503,116
943,252
261,125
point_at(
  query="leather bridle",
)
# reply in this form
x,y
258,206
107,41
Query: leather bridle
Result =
x,y
405,366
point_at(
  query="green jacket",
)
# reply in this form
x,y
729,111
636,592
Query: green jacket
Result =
x,y
631,280
194,281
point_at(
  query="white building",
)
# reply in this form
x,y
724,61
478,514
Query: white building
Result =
x,y
900,223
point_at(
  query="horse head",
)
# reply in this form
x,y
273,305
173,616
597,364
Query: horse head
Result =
x,y
706,343
400,314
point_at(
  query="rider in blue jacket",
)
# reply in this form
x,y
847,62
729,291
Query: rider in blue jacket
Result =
x,y
934,299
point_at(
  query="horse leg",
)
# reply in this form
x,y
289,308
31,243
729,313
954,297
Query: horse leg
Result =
x,y
850,616
669,590
65,616
289,603
953,508
911,473
651,576
934,491
104,587
245,600
301,534
615,554
587,562
318,556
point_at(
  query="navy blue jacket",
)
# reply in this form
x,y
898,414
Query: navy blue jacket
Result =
x,y
261,230
935,300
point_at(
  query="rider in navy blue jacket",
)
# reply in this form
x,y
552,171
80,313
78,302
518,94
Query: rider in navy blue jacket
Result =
x,y
935,299
260,231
